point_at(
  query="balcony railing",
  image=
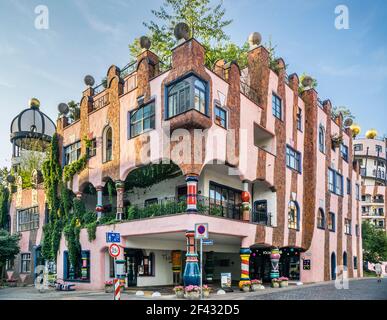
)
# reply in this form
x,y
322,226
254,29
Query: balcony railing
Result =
x,y
101,102
171,206
128,69
250,93
263,218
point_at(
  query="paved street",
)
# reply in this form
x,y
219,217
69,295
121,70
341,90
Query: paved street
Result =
x,y
365,289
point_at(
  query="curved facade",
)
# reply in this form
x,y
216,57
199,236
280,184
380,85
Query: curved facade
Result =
x,y
238,139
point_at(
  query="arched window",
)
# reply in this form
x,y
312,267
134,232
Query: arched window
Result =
x,y
321,139
345,259
108,144
293,215
320,219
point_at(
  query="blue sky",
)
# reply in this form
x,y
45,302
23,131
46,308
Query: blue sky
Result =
x,y
86,37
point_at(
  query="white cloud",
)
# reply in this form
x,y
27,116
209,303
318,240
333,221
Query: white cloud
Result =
x,y
97,23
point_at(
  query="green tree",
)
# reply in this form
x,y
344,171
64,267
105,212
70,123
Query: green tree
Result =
x,y
4,206
374,243
347,114
206,24
74,111
9,248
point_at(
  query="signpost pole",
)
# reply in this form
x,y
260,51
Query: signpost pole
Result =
x,y
115,277
201,268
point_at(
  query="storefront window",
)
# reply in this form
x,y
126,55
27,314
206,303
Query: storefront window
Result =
x,y
80,272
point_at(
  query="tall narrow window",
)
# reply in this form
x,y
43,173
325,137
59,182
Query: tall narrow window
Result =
x,y
344,152
331,221
25,266
108,144
320,219
299,119
277,106
221,117
293,159
293,215
321,139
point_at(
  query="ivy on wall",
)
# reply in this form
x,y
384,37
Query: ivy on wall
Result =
x,y
4,208
67,214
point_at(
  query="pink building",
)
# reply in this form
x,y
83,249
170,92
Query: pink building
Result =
x,y
237,147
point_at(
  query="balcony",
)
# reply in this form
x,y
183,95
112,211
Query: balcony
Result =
x,y
173,205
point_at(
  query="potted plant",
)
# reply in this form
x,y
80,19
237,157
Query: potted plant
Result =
x,y
245,286
337,140
206,291
256,284
275,283
109,288
179,291
284,282
192,292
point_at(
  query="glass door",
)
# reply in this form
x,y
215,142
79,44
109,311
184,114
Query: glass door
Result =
x,y
132,270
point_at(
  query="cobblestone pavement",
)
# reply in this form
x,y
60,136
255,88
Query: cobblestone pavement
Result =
x,y
364,289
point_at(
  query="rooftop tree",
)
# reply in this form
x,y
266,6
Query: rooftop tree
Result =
x,y
206,23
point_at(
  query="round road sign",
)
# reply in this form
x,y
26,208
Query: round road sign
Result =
x,y
114,250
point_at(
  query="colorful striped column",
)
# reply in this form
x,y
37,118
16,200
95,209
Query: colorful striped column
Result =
x,y
192,193
274,258
245,267
117,289
191,271
99,207
120,186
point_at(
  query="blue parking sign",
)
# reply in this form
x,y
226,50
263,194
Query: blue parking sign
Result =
x,y
113,237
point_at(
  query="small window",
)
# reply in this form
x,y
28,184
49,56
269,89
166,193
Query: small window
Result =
x,y
355,262
221,117
92,149
320,219
9,264
142,120
72,152
293,159
321,139
277,106
378,148
293,215
344,152
146,267
349,186
299,119
357,191
358,147
347,227
25,266
335,182
331,221
357,230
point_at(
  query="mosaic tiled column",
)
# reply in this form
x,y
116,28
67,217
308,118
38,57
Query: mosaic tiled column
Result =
x,y
192,193
120,199
191,271
274,259
99,207
246,197
245,270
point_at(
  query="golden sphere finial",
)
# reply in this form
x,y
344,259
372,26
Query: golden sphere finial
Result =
x,y
371,134
34,103
355,128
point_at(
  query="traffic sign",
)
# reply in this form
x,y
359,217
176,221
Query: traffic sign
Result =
x,y
201,231
208,242
113,237
114,250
